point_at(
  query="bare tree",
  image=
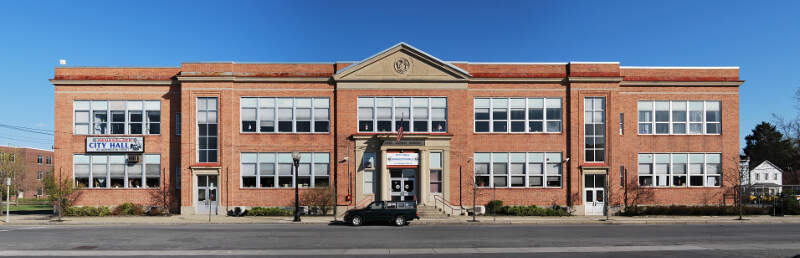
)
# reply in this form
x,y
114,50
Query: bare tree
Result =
x,y
61,192
321,198
12,165
790,127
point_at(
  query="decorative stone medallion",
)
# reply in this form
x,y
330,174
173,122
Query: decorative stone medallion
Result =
x,y
401,65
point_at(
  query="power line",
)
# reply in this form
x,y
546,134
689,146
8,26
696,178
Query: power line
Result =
x,y
27,129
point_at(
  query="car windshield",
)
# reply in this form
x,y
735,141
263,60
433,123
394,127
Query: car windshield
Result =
x,y
376,205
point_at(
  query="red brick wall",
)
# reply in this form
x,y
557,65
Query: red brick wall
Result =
x,y
621,150
67,144
26,180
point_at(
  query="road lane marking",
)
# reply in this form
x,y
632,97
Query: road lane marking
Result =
x,y
396,251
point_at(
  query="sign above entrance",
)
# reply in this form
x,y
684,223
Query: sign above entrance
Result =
x,y
115,144
402,159
419,142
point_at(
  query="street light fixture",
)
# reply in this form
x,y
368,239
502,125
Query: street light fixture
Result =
x,y
296,158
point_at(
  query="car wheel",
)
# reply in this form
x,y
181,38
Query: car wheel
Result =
x,y
399,221
357,221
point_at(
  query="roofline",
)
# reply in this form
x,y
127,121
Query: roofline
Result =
x,y
679,67
106,67
519,63
235,62
32,148
584,62
770,163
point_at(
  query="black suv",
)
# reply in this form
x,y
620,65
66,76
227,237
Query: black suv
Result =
x,y
398,213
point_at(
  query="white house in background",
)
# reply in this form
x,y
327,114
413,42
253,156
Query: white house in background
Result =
x,y
766,178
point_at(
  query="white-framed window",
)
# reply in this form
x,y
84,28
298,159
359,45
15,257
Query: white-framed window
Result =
x,y
39,159
113,171
679,117
517,115
207,129
117,117
276,170
518,169
435,161
178,123
39,191
39,175
291,115
414,114
594,132
680,169
177,178
369,181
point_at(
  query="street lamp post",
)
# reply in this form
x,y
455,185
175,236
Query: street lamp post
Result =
x,y
296,159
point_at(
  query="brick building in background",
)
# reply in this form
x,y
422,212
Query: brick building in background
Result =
x,y
213,136
34,165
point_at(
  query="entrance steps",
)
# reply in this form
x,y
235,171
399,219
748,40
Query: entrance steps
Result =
x,y
430,212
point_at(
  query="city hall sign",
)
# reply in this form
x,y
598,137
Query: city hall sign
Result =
x,y
115,144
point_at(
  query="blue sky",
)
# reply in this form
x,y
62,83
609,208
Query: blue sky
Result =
x,y
762,39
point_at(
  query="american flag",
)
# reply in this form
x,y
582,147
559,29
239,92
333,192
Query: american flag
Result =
x,y
400,130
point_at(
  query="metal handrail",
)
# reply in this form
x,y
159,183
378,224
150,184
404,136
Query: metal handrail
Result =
x,y
364,202
446,205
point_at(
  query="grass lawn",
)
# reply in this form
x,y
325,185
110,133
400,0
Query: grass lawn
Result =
x,y
30,207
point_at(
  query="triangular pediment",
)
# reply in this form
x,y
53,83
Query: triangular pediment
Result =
x,y
768,165
402,62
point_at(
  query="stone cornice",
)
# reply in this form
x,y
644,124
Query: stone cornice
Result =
x,y
681,83
111,82
593,79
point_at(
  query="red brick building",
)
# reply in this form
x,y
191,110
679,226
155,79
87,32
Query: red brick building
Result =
x,y
220,135
30,167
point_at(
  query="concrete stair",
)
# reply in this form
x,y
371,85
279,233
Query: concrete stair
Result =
x,y
430,212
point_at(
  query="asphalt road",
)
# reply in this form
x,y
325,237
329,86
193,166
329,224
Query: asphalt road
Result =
x,y
745,240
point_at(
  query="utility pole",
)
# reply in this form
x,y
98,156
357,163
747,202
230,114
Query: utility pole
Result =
x,y
741,196
8,199
474,199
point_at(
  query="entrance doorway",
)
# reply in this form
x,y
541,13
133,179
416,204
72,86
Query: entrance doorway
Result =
x,y
403,184
594,194
206,194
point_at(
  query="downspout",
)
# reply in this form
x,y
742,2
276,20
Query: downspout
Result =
x,y
568,131
335,147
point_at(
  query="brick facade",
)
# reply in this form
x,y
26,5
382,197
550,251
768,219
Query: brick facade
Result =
x,y
460,82
32,162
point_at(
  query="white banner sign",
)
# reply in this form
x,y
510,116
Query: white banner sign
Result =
x,y
115,144
402,159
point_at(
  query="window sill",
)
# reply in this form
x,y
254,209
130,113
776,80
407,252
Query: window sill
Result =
x,y
507,133
687,134
115,135
404,133
521,187
121,188
281,133
279,188
679,187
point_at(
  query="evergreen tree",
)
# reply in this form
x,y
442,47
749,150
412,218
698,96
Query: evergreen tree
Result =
x,y
767,143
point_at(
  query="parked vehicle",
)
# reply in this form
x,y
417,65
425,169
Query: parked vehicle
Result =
x,y
397,213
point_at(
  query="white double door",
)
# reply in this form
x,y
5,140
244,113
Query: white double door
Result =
x,y
594,193
403,184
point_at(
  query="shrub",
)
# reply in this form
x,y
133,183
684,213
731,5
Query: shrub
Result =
x,y
494,207
533,210
127,209
157,211
87,211
267,211
321,200
683,210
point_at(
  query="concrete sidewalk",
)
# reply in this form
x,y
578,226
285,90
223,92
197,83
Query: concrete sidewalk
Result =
x,y
200,219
